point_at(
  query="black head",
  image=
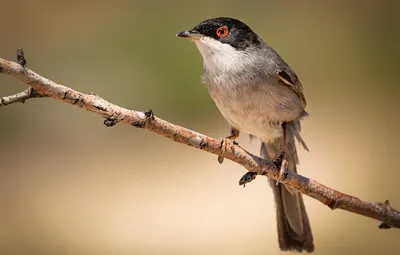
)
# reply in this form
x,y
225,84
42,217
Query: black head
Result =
x,y
226,30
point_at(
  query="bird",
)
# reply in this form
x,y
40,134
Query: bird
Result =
x,y
258,93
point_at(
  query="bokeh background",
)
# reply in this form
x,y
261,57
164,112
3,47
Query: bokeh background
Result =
x,y
69,185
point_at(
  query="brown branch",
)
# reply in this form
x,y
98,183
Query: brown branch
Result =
x,y
115,114
20,97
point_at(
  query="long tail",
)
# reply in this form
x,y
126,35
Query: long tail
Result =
x,y
294,231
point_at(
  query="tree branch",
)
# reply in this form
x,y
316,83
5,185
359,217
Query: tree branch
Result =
x,y
42,87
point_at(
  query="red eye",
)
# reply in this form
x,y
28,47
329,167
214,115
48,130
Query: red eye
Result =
x,y
222,31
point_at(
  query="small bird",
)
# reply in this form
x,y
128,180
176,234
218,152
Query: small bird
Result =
x,y
259,94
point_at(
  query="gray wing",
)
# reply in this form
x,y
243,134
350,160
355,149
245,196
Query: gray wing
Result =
x,y
289,78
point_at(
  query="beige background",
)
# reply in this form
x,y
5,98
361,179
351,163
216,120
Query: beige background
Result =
x,y
69,185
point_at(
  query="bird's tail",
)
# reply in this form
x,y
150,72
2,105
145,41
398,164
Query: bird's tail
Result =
x,y
294,231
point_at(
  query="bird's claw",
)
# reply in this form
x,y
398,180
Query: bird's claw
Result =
x,y
278,160
234,134
281,163
223,149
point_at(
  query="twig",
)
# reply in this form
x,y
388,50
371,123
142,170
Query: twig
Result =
x,y
20,97
115,114
24,95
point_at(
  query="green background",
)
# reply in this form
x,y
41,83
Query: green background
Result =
x,y
69,185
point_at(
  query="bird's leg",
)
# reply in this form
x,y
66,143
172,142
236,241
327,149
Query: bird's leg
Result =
x,y
234,134
280,161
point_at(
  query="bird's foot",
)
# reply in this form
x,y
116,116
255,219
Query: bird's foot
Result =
x,y
223,148
233,136
281,163
246,178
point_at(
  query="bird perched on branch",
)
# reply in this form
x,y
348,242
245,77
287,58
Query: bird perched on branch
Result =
x,y
258,93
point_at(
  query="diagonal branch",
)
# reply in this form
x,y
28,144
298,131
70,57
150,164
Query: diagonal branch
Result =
x,y
114,114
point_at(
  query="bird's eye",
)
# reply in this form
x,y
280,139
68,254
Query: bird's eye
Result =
x,y
222,31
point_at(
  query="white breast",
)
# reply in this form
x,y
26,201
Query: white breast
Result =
x,y
220,58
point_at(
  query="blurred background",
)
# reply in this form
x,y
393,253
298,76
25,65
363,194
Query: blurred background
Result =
x,y
69,185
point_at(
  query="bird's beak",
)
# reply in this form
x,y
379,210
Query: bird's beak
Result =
x,y
191,34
